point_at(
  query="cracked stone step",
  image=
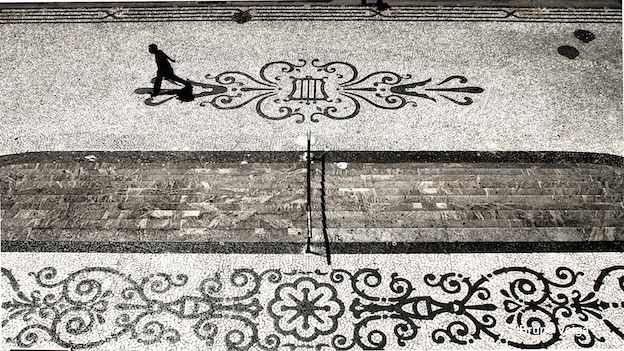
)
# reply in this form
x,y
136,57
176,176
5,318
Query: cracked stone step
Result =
x,y
477,206
113,212
102,191
554,216
337,235
53,188
271,221
158,235
22,180
167,197
160,184
480,191
369,197
443,167
471,234
105,214
242,220
471,183
495,223
331,169
502,172
140,206
173,166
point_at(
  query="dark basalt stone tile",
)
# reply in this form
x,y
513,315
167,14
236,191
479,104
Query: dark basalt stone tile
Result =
x,y
129,157
474,157
503,235
297,247
154,157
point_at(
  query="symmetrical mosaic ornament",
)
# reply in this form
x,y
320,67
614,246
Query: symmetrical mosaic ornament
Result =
x,y
335,309
310,90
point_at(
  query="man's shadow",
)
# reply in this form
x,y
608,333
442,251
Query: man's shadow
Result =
x,y
184,94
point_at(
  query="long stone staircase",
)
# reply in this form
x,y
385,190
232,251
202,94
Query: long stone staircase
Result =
x,y
118,202
475,202
258,203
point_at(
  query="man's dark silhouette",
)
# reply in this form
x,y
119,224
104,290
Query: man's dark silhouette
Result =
x,y
164,69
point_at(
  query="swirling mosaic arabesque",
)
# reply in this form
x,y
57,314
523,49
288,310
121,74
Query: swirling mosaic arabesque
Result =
x,y
312,90
336,309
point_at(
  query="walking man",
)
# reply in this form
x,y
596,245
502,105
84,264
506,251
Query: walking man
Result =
x,y
164,69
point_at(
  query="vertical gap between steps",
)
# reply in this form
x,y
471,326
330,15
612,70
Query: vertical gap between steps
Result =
x,y
322,202
309,195
323,214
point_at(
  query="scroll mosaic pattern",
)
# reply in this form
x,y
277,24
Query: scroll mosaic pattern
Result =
x,y
245,309
311,90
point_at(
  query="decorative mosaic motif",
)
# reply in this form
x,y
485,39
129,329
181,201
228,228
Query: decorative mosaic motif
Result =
x,y
308,12
337,309
311,90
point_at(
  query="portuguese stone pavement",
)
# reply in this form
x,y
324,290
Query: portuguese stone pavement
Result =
x,y
472,197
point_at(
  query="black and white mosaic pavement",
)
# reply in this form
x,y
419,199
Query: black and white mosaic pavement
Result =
x,y
423,73
485,79
313,90
393,302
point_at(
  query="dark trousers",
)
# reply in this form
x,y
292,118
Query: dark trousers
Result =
x,y
166,75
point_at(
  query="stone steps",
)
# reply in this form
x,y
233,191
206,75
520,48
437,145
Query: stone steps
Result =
x,y
478,191
145,203
174,166
472,234
421,214
472,220
471,206
154,235
243,195
423,187
376,169
443,201
492,191
353,169
264,180
235,220
364,235
478,183
235,202
199,180
165,166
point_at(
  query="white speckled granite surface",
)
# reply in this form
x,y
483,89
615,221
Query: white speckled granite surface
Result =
x,y
71,86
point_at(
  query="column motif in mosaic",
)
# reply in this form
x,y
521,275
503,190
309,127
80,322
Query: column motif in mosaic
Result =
x,y
311,90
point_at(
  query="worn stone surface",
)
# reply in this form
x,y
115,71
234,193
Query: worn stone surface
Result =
x,y
266,202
